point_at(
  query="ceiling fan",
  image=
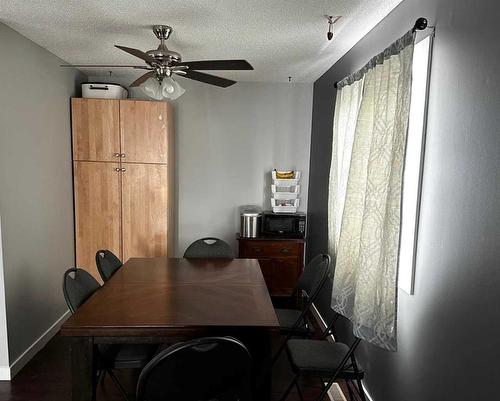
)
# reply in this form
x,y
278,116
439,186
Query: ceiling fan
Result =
x,y
161,63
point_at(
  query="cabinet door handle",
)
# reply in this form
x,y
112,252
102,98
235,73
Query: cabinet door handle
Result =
x,y
116,154
257,249
117,169
122,155
123,169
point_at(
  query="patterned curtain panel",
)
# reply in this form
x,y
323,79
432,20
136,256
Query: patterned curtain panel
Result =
x,y
366,238
344,124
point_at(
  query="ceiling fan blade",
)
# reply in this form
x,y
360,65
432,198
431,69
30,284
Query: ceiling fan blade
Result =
x,y
143,78
142,67
207,78
218,65
138,53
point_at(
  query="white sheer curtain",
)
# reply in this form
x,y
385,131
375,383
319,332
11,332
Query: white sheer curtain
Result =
x,y
344,124
365,283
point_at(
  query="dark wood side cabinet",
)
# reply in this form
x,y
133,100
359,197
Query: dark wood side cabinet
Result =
x,y
281,261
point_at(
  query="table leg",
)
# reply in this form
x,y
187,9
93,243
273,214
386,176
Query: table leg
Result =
x,y
259,346
82,369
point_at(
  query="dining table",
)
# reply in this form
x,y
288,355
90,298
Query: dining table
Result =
x,y
167,300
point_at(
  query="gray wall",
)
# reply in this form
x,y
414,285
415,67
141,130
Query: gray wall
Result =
x,y
227,141
449,331
36,201
4,340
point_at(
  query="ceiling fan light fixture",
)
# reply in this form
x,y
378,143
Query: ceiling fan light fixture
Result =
x,y
167,89
171,89
152,88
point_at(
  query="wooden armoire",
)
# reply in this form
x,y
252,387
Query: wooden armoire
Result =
x,y
123,169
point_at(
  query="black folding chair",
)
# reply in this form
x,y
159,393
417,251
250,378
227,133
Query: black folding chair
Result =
x,y
209,247
78,286
107,263
319,359
293,322
211,368
351,372
324,359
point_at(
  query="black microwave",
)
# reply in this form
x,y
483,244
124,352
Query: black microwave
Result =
x,y
286,225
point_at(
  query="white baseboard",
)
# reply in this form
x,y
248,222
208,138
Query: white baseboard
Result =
x,y
7,373
4,373
335,393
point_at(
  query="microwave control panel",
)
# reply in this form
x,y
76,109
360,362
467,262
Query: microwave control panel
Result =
x,y
302,226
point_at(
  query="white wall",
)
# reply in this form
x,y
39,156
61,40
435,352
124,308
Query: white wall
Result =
x,y
36,194
228,141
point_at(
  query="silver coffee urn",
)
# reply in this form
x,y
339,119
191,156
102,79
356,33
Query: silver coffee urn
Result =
x,y
250,223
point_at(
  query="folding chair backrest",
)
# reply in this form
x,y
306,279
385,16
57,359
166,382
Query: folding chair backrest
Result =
x,y
323,304
211,368
314,275
78,286
107,263
209,247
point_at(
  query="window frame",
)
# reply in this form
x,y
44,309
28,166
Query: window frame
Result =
x,y
406,282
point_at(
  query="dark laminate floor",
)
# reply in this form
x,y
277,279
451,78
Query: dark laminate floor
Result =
x,y
48,378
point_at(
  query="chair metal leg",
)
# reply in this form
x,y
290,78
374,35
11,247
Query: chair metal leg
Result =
x,y
283,398
118,385
299,390
361,391
100,376
349,389
278,353
95,383
339,369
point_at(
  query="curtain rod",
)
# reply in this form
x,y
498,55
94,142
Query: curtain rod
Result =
x,y
420,24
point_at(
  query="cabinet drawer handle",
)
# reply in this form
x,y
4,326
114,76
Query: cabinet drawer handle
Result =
x,y
285,250
257,249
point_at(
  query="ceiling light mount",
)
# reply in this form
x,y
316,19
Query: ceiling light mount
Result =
x,y
332,19
162,32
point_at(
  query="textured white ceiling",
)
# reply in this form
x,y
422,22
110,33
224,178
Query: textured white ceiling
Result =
x,y
280,38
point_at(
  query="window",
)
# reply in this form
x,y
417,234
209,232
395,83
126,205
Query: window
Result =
x,y
414,163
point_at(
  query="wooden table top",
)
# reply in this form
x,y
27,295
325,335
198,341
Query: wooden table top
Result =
x,y
153,297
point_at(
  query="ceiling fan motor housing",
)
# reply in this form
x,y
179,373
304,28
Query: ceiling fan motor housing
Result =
x,y
162,53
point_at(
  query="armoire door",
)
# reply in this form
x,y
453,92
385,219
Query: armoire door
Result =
x,y
96,129
144,210
145,127
97,211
